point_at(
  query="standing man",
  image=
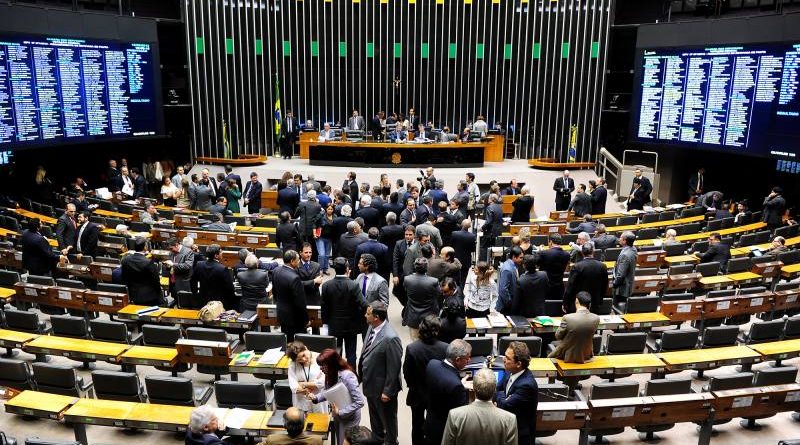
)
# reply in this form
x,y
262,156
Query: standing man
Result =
x,y
308,271
463,242
531,290
288,199
343,307
646,186
581,204
509,273
398,258
214,280
308,214
563,186
177,178
141,276
38,257
473,192
481,422
66,229
599,195
774,207
111,174
287,149
697,184
229,174
252,194
554,260
355,122
445,390
350,188
290,298
379,368
588,275
625,267
418,354
518,392
638,197
181,264
88,234
373,286
493,226
422,294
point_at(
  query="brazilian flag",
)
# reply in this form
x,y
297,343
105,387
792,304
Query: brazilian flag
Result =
x,y
278,118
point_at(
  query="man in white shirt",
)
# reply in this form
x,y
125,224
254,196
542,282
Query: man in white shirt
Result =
x,y
473,192
518,392
355,122
326,134
480,126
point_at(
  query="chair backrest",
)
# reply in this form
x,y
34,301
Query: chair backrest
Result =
x,y
700,246
727,223
22,320
669,215
747,239
721,293
642,271
108,287
761,331
481,346
730,381
15,373
261,341
675,249
650,217
157,335
169,390
553,308
792,328
8,278
663,387
626,342
72,284
708,269
736,265
713,225
534,344
206,334
316,343
188,300
787,231
115,331
648,233
605,306
679,269
786,286
679,339
692,227
677,296
692,211
762,237
614,390
240,395
59,379
553,392
790,257
627,220
775,376
638,305
106,260
69,326
116,385
612,253
752,290
715,336
39,279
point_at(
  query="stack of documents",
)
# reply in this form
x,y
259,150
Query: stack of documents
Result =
x,y
271,357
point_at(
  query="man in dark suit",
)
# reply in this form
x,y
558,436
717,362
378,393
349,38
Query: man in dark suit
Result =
x,y
647,186
343,306
423,134
449,220
229,174
66,229
587,225
422,294
214,281
717,252
774,208
603,240
531,290
625,267
379,368
309,275
512,189
599,195
697,184
111,174
423,210
287,236
390,234
355,122
590,275
493,226
437,195
377,249
418,354
288,200
581,203
290,298
553,261
221,207
518,392
370,215
398,258
563,186
349,242
86,239
350,188
413,120
141,276
291,133
463,243
507,284
181,264
38,258
252,194
308,214
445,390
139,184
638,196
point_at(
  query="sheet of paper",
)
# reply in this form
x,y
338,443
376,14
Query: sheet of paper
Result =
x,y
481,323
338,394
237,417
271,356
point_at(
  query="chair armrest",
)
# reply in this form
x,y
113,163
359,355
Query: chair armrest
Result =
x,y
579,396
44,328
135,339
84,386
170,302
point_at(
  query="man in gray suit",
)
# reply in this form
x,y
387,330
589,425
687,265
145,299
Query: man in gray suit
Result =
x,y
355,122
625,268
413,252
581,203
181,264
379,368
481,422
373,286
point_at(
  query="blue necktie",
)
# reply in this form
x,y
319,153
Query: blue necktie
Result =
x,y
364,286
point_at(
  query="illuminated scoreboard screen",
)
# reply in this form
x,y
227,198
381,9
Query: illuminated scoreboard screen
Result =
x,y
59,90
734,98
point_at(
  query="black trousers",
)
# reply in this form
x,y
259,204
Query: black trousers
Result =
x,y
349,343
418,425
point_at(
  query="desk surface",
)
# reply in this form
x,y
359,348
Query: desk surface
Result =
x,y
109,213
191,314
630,362
6,293
101,409
655,224
155,413
151,353
716,279
597,365
16,336
132,308
283,363
707,355
320,423
43,218
743,251
78,345
41,401
792,268
679,259
703,235
777,347
742,276
541,366
645,317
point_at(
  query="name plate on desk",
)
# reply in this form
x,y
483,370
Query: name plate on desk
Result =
x,y
212,353
787,299
769,269
108,302
35,293
267,314
67,297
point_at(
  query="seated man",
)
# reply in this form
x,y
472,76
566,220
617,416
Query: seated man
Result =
x,y
399,134
576,332
447,135
327,134
204,427
150,215
717,252
219,225
294,421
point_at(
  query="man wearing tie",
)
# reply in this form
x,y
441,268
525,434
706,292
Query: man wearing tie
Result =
x,y
563,186
646,186
697,183
252,194
355,122
66,229
423,135
373,286
287,149
342,309
326,134
123,182
512,189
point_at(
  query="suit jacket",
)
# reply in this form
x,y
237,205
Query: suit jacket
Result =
x,y
236,178
252,192
418,354
380,363
351,188
308,214
88,239
422,213
446,392
307,274
343,306
371,215
433,232
287,236
494,221
377,288
510,191
719,252
645,190
288,200
398,258
182,269
522,209
588,227
439,268
290,298
390,235
463,243
202,439
254,284
411,254
66,231
284,439
575,334
423,294
581,204
530,294
605,241
347,246
773,210
521,400
599,196
38,257
141,276
506,286
357,122
590,275
624,272
696,181
563,188
480,423
554,262
215,283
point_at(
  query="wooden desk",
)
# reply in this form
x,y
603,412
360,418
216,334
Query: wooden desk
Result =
x,y
692,237
621,412
212,353
709,358
610,322
279,370
99,412
741,278
599,365
39,404
682,281
543,367
655,224
6,294
76,348
791,271
150,356
779,350
682,310
636,363
757,401
153,416
110,214
681,259
646,320
492,149
189,317
15,339
744,251
31,215
129,312
555,416
715,282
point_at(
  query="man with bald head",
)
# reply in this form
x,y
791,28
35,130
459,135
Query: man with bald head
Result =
x,y
294,421
67,229
563,186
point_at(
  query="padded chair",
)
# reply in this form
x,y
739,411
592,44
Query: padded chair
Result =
x,y
534,344
747,239
790,257
675,249
176,391
669,215
40,279
167,336
605,306
650,217
677,339
107,260
662,387
762,237
611,390
768,377
206,334
114,331
115,385
482,347
15,374
680,269
69,326
612,253
736,265
642,271
637,305
627,220
187,300
316,343
688,212
262,341
727,223
59,379
9,278
116,288
26,321
625,343
692,228
648,233
677,296
718,336
282,393
713,225
553,308
787,231
708,269
792,328
608,222
240,395
552,392
763,331
700,246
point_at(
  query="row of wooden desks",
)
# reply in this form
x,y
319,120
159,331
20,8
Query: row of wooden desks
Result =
x,y
610,322
692,237
744,251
